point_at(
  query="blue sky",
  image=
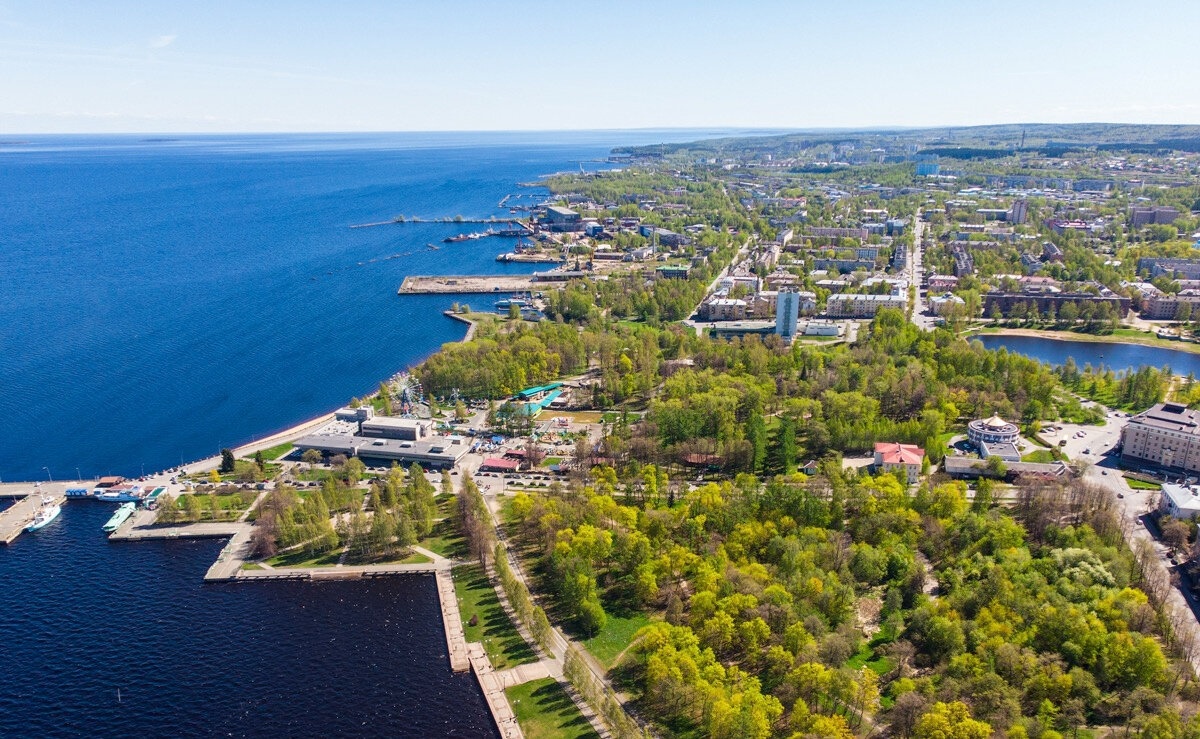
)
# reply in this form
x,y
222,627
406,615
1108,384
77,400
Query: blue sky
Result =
x,y
368,65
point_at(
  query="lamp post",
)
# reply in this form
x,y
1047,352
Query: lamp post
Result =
x,y
48,475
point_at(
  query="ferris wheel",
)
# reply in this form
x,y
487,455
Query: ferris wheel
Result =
x,y
409,392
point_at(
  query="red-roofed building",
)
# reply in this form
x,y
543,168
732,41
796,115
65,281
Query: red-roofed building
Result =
x,y
890,456
497,464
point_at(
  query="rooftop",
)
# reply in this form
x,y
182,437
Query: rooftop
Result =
x,y
894,453
1170,417
1184,498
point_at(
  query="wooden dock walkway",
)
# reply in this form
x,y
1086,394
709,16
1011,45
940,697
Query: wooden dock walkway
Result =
x,y
16,517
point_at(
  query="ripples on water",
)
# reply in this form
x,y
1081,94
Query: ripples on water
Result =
x,y
82,617
161,299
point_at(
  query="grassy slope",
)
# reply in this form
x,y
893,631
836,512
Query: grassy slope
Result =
x,y
494,629
545,711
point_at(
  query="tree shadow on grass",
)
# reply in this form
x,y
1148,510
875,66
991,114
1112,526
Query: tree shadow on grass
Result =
x,y
552,699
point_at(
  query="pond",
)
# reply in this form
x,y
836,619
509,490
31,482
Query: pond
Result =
x,y
1118,357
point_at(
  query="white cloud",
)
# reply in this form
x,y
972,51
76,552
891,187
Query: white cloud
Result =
x,y
161,42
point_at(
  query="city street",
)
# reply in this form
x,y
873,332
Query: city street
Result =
x,y
914,276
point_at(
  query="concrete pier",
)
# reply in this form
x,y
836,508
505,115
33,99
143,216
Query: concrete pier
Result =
x,y
434,284
16,517
493,692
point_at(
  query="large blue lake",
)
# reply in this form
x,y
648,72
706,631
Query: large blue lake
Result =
x,y
162,298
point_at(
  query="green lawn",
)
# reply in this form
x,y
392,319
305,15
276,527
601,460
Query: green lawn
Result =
x,y
545,711
316,474
446,539
297,558
1044,456
617,633
278,450
411,558
550,461
1142,484
493,628
865,657
232,505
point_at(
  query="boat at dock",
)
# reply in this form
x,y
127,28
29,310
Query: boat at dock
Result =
x,y
45,515
119,517
120,494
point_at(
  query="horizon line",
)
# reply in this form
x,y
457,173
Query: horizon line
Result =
x,y
635,129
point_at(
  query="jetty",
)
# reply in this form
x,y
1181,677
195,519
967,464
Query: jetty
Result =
x,y
16,517
533,258
472,284
400,221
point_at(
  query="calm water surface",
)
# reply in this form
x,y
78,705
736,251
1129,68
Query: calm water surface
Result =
x,y
1116,356
162,298
82,618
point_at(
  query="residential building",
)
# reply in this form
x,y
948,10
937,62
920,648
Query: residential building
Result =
x,y
835,286
1005,302
1170,305
1018,212
1151,215
787,313
1166,435
905,458
1188,269
837,233
739,279
782,280
862,306
843,265
941,304
941,283
723,309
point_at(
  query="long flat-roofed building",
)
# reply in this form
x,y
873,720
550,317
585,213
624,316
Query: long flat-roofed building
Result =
x,y
860,306
388,427
438,452
1167,435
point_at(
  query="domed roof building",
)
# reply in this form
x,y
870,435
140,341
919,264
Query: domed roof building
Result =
x,y
994,430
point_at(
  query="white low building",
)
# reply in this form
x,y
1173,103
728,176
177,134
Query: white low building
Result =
x,y
1180,501
940,304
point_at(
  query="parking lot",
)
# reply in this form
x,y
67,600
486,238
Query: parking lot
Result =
x,y
1087,443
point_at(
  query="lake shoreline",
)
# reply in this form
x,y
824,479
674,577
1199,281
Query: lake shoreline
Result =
x,y
1182,346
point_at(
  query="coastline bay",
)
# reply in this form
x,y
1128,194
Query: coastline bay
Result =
x,y
166,298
